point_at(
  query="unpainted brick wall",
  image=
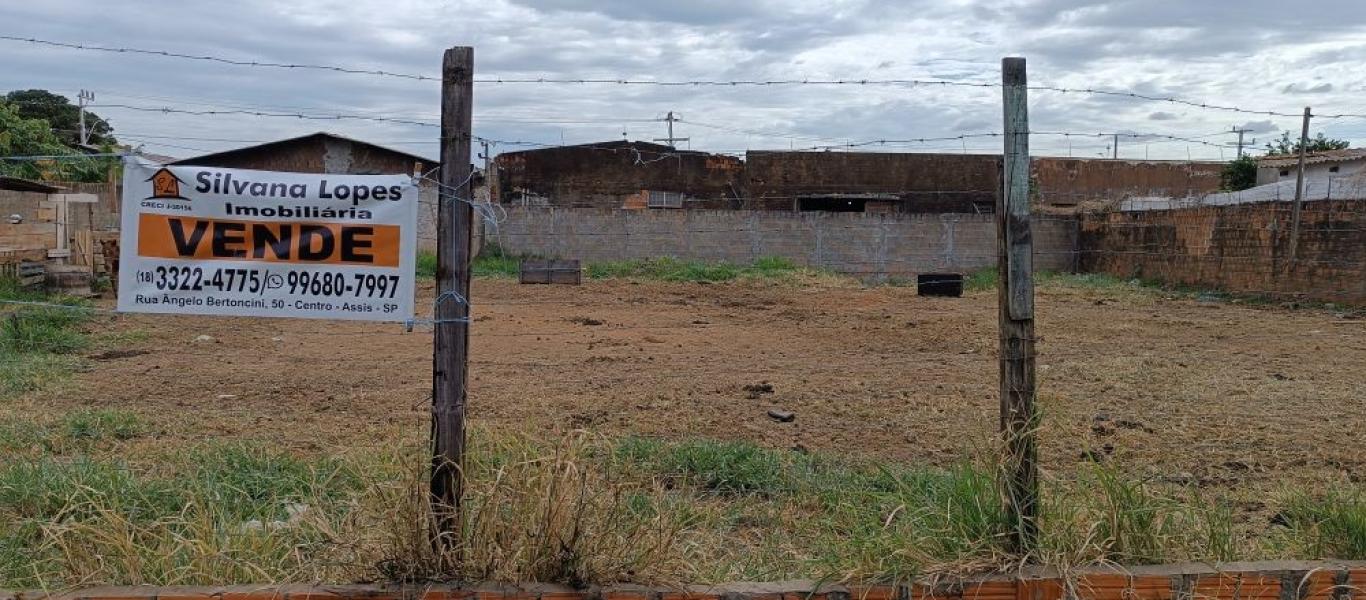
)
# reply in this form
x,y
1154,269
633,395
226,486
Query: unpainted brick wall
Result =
x,y
33,232
865,244
313,154
1068,181
38,226
102,215
603,177
1242,248
926,182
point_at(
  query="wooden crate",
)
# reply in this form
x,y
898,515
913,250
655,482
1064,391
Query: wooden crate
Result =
x,y
31,274
551,271
9,263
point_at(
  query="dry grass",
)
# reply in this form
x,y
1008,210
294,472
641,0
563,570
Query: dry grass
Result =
x,y
244,514
531,513
585,510
876,480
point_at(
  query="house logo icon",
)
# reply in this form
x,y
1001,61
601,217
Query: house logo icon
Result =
x,y
165,185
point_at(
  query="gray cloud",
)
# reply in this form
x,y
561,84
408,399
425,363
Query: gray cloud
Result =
x,y
1251,56
1259,126
1305,88
693,12
1254,15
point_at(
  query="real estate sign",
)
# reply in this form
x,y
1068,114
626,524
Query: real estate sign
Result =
x,y
211,241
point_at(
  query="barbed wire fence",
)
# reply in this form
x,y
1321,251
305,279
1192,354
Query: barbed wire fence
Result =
x,y
1239,245
492,214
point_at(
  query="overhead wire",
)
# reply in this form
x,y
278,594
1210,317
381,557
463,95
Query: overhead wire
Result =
x,y
673,152
673,83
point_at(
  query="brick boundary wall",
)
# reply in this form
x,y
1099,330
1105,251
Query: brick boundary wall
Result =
x,y
871,245
1237,248
1283,580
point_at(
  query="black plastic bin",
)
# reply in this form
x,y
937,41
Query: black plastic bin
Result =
x,y
939,284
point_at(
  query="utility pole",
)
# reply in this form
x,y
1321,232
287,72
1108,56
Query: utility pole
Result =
x,y
1015,301
451,313
1299,187
81,100
1241,133
1115,147
489,179
670,119
485,155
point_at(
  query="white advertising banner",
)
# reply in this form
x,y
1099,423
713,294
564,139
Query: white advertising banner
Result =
x,y
208,241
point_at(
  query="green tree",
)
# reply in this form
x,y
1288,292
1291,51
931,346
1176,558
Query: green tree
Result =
x,y
63,116
1239,174
23,137
1319,143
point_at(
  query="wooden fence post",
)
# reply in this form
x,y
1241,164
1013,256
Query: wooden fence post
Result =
x,y
451,341
1015,283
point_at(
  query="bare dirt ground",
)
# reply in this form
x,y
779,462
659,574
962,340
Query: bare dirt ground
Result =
x,y
1248,400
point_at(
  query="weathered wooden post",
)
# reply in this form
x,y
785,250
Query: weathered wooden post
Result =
x,y
451,340
1015,284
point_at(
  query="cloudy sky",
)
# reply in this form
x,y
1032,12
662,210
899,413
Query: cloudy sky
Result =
x,y
1258,54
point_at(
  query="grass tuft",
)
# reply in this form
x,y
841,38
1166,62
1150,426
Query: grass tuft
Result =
x,y
23,372
44,329
426,264
724,467
102,424
496,265
986,279
981,280
1104,516
78,432
491,262
1328,525
536,513
35,339
219,511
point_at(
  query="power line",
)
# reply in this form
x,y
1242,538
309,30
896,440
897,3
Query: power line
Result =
x,y
793,136
131,135
671,83
352,113
164,144
233,104
967,136
1149,137
553,120
35,157
257,113
148,136
406,121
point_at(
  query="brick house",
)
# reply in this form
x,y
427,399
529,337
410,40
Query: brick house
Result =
x,y
640,175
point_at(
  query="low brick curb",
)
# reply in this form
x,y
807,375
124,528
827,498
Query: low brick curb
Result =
x,y
1284,580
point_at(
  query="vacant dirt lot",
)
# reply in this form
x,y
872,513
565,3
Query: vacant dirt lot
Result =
x,y
1249,400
